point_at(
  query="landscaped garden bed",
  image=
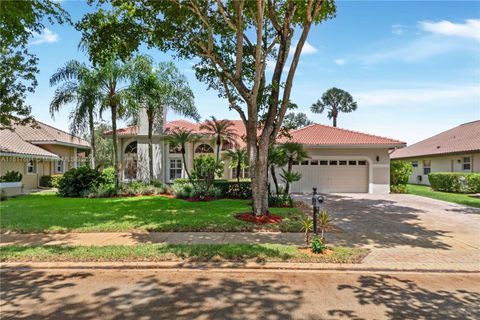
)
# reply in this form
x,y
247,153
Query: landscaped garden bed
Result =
x,y
162,252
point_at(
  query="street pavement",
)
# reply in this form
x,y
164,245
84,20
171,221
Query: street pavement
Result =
x,y
236,294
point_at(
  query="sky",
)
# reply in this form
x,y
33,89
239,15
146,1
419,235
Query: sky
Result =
x,y
412,66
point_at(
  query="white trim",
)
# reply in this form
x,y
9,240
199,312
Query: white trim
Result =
x,y
75,145
28,156
34,166
56,166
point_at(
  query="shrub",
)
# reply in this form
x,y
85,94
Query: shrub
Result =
x,y
11,176
233,189
400,172
3,195
77,182
457,182
182,190
108,175
307,228
318,245
399,189
142,188
50,181
103,190
280,201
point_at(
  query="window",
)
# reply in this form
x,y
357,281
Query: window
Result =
x,y
466,163
304,163
175,169
352,162
342,162
314,162
323,162
362,162
415,164
333,162
204,148
426,166
131,147
59,166
295,163
174,149
244,173
31,167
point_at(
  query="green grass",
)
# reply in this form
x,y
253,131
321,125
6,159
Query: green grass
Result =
x,y
46,212
162,252
459,198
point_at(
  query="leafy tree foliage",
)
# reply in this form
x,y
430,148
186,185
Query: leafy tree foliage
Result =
x,y
238,160
293,152
103,145
335,100
179,138
221,130
294,121
19,20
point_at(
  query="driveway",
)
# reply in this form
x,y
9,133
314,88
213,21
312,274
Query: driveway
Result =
x,y
404,227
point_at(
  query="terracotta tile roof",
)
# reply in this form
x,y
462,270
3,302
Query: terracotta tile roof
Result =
x,y
12,144
43,133
128,131
463,138
318,134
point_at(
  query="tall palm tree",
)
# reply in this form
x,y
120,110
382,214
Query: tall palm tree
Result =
x,y
79,86
293,152
179,137
334,100
155,88
221,130
276,158
238,160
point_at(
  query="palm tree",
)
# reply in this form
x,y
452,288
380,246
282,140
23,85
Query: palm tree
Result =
x,y
293,152
79,86
179,137
276,158
221,130
156,88
335,100
239,160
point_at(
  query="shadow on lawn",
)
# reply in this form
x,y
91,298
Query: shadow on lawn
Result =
x,y
32,295
379,222
405,299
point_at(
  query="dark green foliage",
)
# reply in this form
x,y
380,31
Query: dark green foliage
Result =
x,y
77,182
457,182
400,172
334,100
108,175
11,176
318,245
3,195
293,121
50,181
280,201
234,189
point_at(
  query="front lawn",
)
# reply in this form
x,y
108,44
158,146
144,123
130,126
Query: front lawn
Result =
x,y
46,212
162,252
426,191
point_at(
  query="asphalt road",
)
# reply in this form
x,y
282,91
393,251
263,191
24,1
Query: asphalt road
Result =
x,y
162,294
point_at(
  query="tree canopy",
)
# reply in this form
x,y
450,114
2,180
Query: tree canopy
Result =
x,y
335,100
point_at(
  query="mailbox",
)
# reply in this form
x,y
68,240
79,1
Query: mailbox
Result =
x,y
317,199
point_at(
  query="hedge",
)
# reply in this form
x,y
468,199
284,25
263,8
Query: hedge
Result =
x,y
233,189
50,181
457,182
400,172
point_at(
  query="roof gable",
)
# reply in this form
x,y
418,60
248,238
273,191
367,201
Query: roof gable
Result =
x,y
44,133
13,144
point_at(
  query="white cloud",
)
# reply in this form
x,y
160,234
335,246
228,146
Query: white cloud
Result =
x,y
399,29
340,62
307,49
47,36
469,29
413,97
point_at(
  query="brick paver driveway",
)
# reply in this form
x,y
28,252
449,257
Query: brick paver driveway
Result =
x,y
406,228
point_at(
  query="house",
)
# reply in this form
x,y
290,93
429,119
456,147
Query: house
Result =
x,y
454,150
36,150
341,160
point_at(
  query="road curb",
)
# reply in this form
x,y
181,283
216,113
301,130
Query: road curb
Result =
x,y
225,266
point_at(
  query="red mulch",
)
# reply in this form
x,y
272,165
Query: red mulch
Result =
x,y
196,199
266,219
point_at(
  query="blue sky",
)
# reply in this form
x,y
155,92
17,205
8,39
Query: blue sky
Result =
x,y
412,66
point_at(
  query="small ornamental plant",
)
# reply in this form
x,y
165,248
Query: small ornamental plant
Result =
x,y
318,245
324,221
307,228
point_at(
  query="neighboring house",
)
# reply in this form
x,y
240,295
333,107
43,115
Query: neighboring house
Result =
x,y
39,150
341,160
454,150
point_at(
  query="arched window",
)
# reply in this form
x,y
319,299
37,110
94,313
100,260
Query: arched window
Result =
x,y
204,148
131,148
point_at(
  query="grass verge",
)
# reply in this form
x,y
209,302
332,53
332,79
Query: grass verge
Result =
x,y
426,191
163,252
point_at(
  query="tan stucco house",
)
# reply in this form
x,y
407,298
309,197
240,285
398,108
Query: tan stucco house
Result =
x,y
341,160
454,150
39,150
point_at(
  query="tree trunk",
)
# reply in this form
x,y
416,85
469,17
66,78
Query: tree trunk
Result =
x,y
334,121
239,168
185,165
289,169
115,147
91,124
150,147
219,143
259,174
274,178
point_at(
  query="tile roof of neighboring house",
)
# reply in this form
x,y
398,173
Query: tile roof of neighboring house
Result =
x,y
319,134
43,133
463,138
12,144
315,134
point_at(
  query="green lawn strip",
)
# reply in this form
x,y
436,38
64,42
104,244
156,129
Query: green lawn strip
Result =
x,y
163,252
46,212
426,191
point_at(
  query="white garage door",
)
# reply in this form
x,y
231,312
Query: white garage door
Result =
x,y
331,176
